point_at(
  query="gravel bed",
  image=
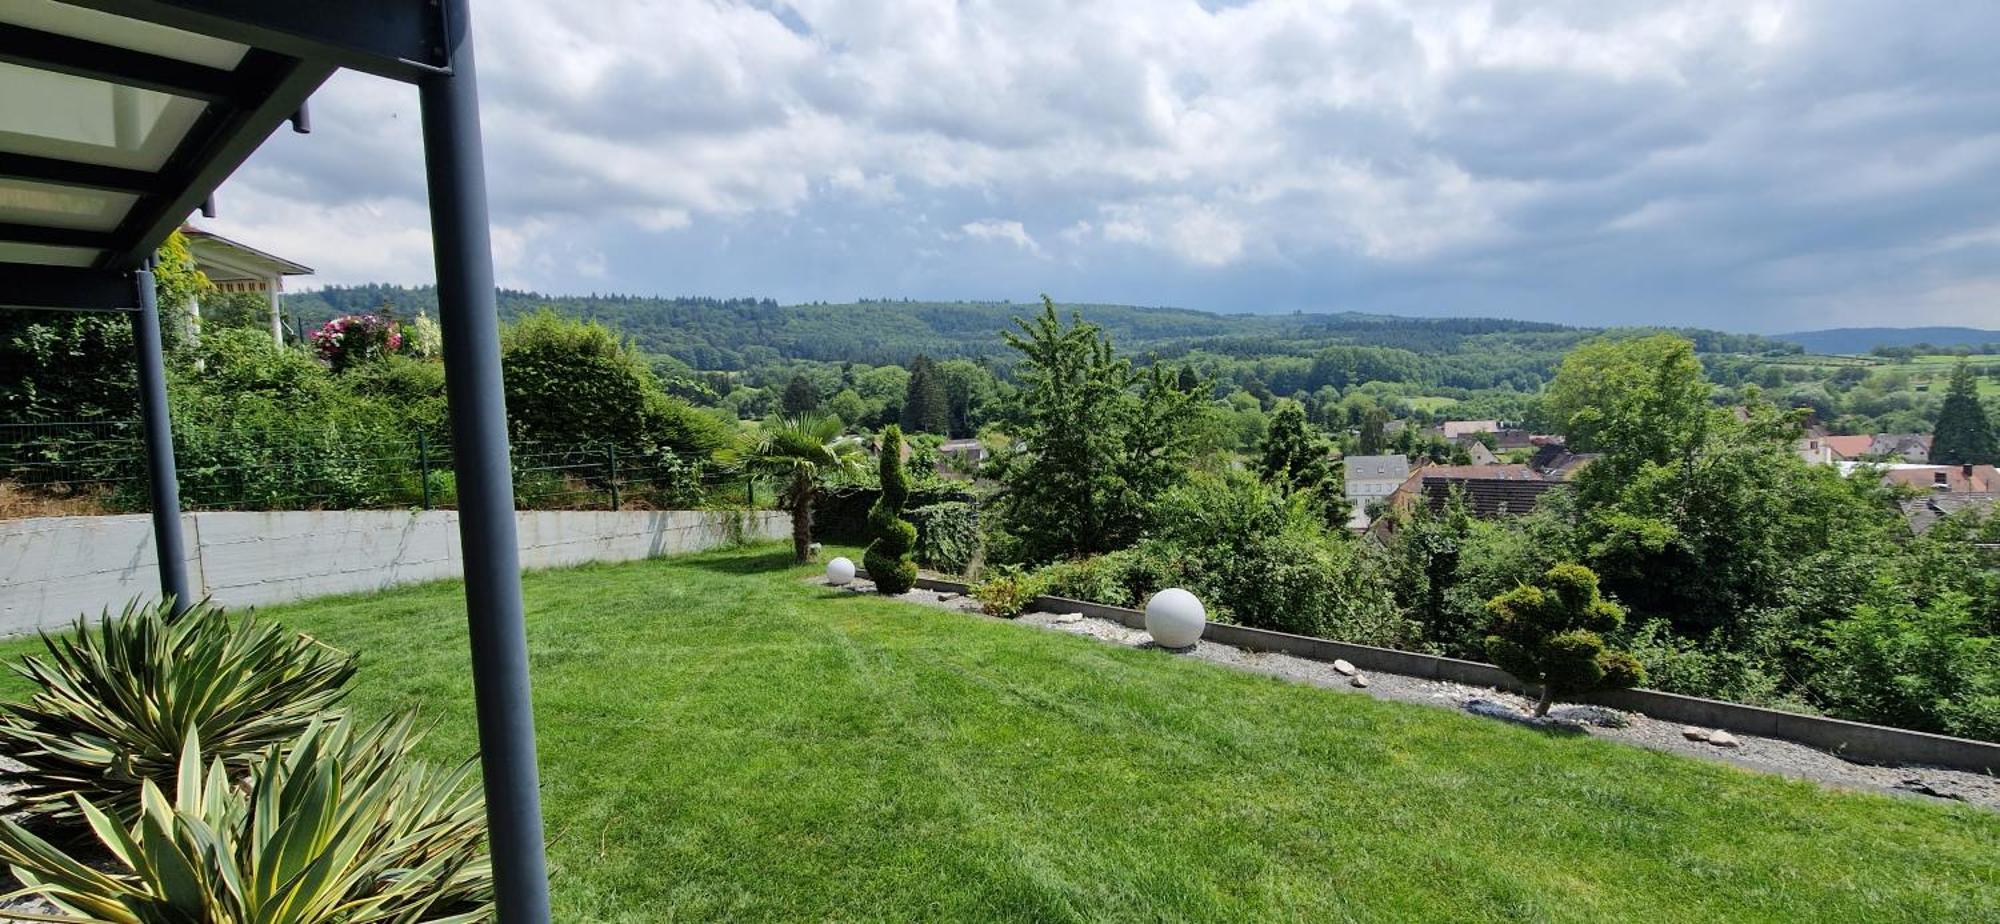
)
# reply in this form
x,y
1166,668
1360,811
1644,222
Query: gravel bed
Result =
x,y
1771,755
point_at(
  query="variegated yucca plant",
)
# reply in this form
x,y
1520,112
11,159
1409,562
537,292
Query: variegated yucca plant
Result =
x,y
343,826
114,702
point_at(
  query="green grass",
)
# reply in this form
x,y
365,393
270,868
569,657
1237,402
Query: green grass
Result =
x,y
722,740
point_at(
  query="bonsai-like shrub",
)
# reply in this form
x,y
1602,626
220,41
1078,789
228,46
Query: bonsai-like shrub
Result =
x,y
115,704
342,825
891,537
1550,633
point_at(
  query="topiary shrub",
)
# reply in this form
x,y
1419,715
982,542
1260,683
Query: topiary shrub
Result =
x,y
891,538
1551,633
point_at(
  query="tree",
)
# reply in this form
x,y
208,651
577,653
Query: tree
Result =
x,y
926,405
1101,441
1374,429
1551,633
1295,459
799,452
890,536
800,397
1634,399
1963,434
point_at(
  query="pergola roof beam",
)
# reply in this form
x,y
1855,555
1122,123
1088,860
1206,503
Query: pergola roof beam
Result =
x,y
399,39
53,237
65,288
77,174
77,57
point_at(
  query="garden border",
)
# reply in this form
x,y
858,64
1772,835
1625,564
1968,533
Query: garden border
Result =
x,y
1857,741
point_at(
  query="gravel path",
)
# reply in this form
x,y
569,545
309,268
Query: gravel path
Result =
x,y
1771,755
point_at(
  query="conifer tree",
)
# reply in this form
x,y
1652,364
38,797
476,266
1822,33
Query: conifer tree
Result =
x,y
891,537
800,397
1963,435
926,404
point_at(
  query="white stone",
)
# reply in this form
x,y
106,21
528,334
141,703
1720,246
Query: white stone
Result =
x,y
1065,618
840,572
1692,733
1360,681
1175,618
1345,669
1723,739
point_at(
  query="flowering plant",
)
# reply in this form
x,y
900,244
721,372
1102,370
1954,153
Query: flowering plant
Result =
x,y
347,341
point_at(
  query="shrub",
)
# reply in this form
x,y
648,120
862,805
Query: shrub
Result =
x,y
1926,667
115,703
1551,633
342,827
887,557
1007,593
948,536
1122,578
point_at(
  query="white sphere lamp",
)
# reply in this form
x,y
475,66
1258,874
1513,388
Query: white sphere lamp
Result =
x,y
1175,618
840,572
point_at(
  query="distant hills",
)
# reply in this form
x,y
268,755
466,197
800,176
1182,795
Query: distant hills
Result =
x,y
738,333
1864,339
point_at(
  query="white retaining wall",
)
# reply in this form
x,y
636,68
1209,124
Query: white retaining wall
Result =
x,y
54,568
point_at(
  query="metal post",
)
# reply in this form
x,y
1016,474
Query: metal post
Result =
x,y
163,482
612,455
424,466
455,171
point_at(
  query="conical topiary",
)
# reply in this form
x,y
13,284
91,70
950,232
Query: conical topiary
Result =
x,y
890,537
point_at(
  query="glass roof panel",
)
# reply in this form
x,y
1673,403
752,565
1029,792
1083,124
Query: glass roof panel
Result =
x,y
52,206
109,29
75,118
46,255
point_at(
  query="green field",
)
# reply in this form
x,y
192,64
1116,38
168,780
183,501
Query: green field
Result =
x,y
721,739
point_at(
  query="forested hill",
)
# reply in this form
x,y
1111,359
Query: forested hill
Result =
x,y
711,333
1863,339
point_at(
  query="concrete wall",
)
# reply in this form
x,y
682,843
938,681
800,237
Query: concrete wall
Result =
x,y
55,568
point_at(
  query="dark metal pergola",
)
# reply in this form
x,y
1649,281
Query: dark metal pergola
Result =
x,y
119,118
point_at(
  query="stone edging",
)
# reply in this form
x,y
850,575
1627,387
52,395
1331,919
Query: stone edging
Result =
x,y
1856,741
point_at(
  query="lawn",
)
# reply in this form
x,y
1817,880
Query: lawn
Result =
x,y
723,740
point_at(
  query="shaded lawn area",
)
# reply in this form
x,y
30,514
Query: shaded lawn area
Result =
x,y
720,739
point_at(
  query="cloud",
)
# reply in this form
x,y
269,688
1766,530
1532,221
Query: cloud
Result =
x,y
1743,163
990,229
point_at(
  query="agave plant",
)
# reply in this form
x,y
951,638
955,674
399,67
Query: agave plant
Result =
x,y
342,827
115,703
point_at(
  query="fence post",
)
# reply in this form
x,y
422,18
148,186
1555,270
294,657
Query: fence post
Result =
x,y
612,452
424,466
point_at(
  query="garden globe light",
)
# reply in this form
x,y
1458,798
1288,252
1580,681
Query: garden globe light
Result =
x,y
1175,618
840,572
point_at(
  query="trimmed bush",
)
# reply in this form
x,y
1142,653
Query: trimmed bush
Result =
x,y
116,703
892,538
1551,633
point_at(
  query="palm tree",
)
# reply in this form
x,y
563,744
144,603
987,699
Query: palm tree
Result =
x,y
799,452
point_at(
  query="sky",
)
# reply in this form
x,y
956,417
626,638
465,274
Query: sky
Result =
x,y
1755,165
